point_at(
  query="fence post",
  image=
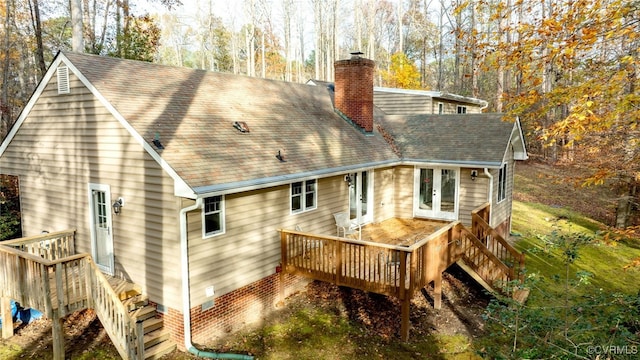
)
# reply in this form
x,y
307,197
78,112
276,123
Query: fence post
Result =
x,y
58,336
7,318
140,338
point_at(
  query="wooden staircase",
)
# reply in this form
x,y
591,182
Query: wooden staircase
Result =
x,y
156,338
488,258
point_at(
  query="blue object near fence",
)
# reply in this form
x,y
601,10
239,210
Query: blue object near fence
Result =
x,y
18,313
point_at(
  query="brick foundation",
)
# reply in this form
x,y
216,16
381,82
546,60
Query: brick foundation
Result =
x,y
231,311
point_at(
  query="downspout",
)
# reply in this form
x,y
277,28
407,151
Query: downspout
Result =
x,y
488,173
186,298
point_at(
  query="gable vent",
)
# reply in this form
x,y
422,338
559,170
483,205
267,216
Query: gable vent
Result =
x,y
63,80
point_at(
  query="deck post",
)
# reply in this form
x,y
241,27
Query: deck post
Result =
x,y
58,336
7,319
404,297
437,291
283,265
406,307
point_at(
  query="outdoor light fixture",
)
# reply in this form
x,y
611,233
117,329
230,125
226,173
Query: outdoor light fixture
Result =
x,y
118,205
474,175
347,178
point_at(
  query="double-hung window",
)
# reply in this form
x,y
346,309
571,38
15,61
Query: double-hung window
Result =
x,y
303,196
213,216
462,109
502,183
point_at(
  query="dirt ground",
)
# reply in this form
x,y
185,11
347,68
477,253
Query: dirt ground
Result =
x,y
462,307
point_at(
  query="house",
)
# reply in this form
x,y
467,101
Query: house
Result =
x,y
178,180
394,101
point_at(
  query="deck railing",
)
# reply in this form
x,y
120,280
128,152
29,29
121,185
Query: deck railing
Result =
x,y
493,241
370,266
50,246
35,273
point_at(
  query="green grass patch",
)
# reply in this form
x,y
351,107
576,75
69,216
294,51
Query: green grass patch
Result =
x,y
606,261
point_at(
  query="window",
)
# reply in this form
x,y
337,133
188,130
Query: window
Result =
x,y
213,216
303,196
440,108
462,109
502,183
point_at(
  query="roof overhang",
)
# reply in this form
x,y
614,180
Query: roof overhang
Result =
x,y
517,142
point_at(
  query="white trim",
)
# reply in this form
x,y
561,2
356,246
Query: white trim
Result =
x,y
27,108
437,214
223,221
110,267
181,188
504,183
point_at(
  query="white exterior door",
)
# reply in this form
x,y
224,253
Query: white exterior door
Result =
x,y
101,227
436,193
361,198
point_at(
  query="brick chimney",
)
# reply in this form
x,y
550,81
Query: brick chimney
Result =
x,y
354,90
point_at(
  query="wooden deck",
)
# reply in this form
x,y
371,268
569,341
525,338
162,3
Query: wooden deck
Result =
x,y
397,231
400,256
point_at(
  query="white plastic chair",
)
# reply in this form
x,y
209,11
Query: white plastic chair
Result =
x,y
343,223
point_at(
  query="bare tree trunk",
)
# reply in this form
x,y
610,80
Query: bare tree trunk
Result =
x,y
37,27
77,37
5,108
287,6
317,16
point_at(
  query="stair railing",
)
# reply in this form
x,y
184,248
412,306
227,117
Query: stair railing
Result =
x,y
491,269
43,273
496,244
122,329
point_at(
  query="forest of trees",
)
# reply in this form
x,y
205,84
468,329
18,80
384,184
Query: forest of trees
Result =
x,y
567,68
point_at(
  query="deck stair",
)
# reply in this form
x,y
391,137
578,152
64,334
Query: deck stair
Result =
x,y
157,341
60,282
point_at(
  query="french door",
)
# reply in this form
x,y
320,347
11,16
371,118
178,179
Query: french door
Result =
x,y
361,198
436,193
101,227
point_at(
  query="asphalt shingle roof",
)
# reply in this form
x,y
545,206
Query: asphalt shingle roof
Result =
x,y
469,138
193,111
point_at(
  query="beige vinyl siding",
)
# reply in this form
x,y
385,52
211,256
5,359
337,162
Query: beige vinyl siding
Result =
x,y
249,250
71,140
472,194
404,191
502,210
383,197
402,104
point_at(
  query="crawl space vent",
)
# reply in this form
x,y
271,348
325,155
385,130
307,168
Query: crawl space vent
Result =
x,y
63,80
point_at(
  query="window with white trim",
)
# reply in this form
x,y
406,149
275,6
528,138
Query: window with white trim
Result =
x,y
440,108
213,215
303,196
462,109
502,183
